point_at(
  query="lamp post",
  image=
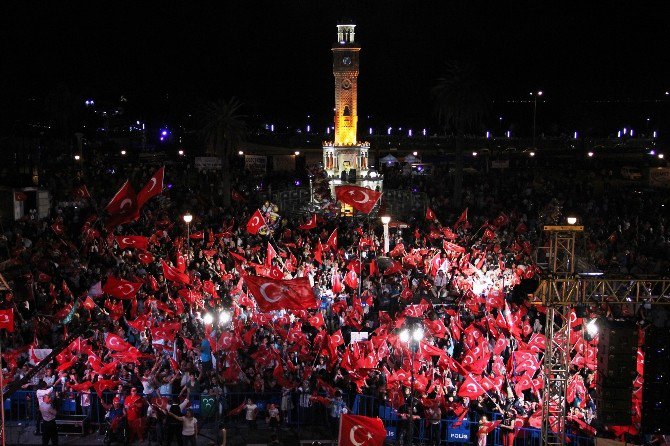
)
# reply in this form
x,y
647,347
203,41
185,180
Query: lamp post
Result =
x,y
385,221
187,219
413,339
535,95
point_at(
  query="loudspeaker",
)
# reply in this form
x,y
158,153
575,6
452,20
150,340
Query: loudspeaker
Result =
x,y
656,388
617,354
352,175
617,359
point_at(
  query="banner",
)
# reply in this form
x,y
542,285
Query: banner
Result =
x,y
659,177
499,164
256,164
208,163
460,434
357,336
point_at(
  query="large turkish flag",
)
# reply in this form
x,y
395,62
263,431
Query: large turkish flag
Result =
x,y
357,430
132,241
120,288
153,187
123,207
255,223
273,294
360,198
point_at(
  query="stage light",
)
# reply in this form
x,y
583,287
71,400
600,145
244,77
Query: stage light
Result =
x,y
417,334
590,154
224,317
404,336
208,319
240,153
296,153
415,153
592,328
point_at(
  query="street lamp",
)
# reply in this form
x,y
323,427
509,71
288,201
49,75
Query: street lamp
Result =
x,y
535,95
188,218
385,221
572,220
123,152
413,339
77,157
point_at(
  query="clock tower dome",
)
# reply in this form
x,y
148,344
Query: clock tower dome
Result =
x,y
346,159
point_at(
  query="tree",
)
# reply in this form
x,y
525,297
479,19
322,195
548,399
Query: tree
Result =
x,y
461,102
223,129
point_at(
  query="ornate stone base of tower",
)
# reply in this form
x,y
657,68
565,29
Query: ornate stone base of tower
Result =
x,y
350,165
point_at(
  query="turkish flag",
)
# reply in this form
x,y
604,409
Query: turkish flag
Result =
x,y
360,198
81,193
173,274
153,187
161,333
271,254
351,279
145,257
123,206
7,319
255,223
332,241
430,215
132,241
358,430
462,220
318,252
120,288
116,343
58,228
103,384
311,224
470,388
88,303
273,294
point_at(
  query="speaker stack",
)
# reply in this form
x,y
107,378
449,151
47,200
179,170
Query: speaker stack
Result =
x,y
617,359
656,388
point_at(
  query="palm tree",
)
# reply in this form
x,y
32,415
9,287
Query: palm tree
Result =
x,y
223,129
461,102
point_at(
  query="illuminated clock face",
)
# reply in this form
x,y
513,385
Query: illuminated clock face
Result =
x,y
346,60
346,84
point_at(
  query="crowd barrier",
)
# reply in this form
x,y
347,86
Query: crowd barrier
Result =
x,y
22,407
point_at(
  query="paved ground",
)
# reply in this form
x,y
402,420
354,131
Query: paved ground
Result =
x,y
20,434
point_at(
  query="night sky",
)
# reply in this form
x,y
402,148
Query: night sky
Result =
x,y
275,55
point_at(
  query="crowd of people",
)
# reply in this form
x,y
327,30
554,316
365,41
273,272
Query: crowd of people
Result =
x,y
452,273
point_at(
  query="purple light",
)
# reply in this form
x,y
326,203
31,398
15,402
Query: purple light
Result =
x,y
162,138
169,186
164,133
297,182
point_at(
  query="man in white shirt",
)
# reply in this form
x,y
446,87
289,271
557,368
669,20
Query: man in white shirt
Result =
x,y
252,410
49,428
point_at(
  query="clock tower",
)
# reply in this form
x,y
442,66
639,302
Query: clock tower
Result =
x,y
346,159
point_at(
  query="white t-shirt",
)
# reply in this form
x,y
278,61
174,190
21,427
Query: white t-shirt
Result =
x,y
251,409
188,426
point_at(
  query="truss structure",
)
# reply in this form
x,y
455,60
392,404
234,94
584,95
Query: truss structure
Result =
x,y
559,292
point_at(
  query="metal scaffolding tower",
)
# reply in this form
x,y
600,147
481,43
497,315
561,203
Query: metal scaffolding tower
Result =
x,y
560,291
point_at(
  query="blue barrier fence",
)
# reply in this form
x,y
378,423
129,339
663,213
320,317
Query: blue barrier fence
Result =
x,y
23,407
448,431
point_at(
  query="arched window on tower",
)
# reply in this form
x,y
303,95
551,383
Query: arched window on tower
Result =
x,y
346,112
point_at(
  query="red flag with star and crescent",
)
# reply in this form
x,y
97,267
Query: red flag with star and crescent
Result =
x,y
153,187
332,241
123,206
121,288
7,319
360,198
132,241
255,223
272,294
173,274
430,215
358,430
